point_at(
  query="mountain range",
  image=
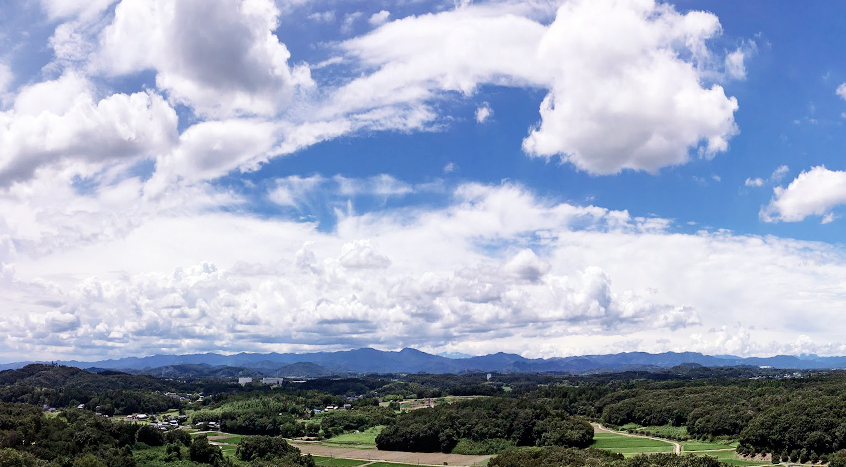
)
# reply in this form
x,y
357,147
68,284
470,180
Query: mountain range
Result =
x,y
367,360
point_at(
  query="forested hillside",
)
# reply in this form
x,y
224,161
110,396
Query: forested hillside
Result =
x,y
526,419
515,422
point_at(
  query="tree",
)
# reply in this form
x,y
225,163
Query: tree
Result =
x,y
150,436
264,447
12,458
203,452
88,460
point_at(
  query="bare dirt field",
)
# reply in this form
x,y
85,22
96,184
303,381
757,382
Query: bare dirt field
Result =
x,y
415,458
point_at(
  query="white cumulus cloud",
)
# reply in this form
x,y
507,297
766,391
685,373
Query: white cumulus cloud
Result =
x,y
380,18
483,113
221,58
622,97
61,121
812,193
625,93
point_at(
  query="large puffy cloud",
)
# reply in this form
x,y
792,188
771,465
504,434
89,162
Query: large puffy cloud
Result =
x,y
813,193
627,88
626,79
61,121
221,58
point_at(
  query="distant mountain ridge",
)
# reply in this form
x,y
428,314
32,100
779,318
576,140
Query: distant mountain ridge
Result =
x,y
368,360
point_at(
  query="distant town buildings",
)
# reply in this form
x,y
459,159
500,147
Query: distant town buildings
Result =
x,y
243,381
267,380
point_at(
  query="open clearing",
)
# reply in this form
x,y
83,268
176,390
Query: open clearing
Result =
x,y
688,446
358,449
363,438
409,458
629,444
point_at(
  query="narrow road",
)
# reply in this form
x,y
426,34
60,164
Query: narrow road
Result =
x,y
601,429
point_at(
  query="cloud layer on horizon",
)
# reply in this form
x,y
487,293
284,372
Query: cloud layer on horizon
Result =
x,y
497,268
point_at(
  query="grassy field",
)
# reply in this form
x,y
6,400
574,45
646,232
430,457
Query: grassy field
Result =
x,y
729,457
628,444
663,431
210,433
362,438
702,446
229,450
235,439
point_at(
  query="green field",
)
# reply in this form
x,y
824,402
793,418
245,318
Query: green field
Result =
x,y
702,446
229,450
234,439
362,438
729,457
663,431
210,433
628,444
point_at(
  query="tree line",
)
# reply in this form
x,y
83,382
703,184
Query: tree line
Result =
x,y
518,422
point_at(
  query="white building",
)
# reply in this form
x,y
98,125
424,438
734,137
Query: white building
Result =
x,y
272,380
243,381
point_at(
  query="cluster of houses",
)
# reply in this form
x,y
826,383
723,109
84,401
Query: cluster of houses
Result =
x,y
166,425
213,426
183,397
266,380
333,407
167,422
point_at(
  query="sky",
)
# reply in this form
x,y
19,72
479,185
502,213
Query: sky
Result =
x,y
548,178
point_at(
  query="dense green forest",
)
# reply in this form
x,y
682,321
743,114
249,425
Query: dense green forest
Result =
x,y
516,422
528,419
569,457
783,417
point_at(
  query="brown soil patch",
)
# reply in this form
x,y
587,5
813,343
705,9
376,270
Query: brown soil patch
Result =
x,y
597,428
415,458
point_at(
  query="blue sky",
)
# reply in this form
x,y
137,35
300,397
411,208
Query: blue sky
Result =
x,y
543,177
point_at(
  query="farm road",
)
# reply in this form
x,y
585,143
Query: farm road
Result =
x,y
597,428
